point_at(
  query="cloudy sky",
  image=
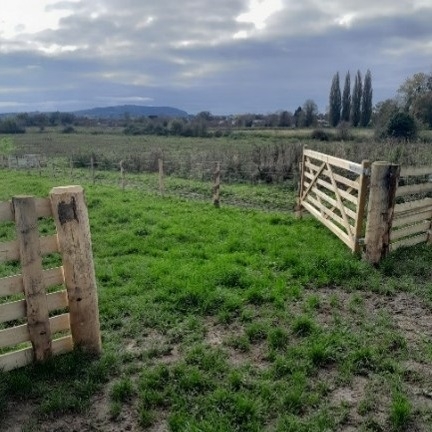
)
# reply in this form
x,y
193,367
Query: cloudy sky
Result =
x,y
224,56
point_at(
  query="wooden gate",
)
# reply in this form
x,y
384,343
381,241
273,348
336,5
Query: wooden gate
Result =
x,y
33,322
334,191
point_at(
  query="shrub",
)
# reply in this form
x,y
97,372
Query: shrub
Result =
x,y
68,130
344,131
402,126
319,134
10,126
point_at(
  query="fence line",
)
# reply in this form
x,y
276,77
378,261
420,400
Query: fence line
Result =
x,y
28,319
172,184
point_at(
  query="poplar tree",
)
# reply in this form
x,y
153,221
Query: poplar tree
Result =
x,y
366,105
346,99
335,101
356,100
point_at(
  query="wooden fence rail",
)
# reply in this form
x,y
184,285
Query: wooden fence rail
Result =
x,y
30,315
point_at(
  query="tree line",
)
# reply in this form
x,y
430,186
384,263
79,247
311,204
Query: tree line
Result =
x,y
351,106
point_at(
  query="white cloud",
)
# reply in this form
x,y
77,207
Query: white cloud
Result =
x,y
29,17
259,12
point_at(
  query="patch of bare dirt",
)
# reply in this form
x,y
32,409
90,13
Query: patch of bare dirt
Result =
x,y
219,336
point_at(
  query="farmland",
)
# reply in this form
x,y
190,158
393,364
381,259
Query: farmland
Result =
x,y
238,318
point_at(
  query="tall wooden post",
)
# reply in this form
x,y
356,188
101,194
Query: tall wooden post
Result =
x,y
31,267
383,185
216,185
73,232
161,177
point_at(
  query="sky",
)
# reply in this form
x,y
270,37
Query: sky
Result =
x,y
224,56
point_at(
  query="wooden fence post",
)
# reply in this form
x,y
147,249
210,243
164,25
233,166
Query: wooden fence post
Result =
x,y
92,169
71,166
122,176
73,232
31,267
216,185
161,176
361,205
383,185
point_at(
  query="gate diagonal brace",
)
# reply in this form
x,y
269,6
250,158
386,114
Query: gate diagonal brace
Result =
x,y
321,169
341,206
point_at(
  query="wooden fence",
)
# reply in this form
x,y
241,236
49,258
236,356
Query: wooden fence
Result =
x,y
34,322
399,210
412,219
334,191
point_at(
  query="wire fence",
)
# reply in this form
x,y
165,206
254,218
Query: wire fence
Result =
x,y
261,186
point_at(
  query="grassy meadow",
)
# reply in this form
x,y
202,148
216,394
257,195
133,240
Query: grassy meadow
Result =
x,y
230,319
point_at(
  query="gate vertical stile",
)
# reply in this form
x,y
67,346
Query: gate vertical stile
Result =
x,y
364,181
299,207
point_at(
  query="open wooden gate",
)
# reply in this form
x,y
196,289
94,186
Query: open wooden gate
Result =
x,y
334,191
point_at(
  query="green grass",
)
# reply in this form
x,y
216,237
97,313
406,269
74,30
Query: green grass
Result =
x,y
232,319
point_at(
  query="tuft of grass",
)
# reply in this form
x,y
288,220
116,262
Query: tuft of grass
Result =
x,y
303,325
122,390
400,411
277,339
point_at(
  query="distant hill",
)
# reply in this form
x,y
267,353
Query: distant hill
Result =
x,y
120,111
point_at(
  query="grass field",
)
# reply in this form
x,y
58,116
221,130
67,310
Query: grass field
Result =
x,y
245,155
232,319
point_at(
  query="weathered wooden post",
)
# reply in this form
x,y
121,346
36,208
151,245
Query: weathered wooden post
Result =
x,y
73,233
383,185
161,176
216,185
71,166
92,169
31,267
122,176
